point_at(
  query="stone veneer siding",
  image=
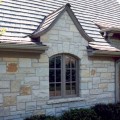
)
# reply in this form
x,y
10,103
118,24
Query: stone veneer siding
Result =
x,y
24,82
115,42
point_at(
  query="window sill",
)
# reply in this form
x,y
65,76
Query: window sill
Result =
x,y
64,100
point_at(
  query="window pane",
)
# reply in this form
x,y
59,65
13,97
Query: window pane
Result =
x,y
67,62
73,63
73,75
67,75
58,62
52,89
68,91
58,75
52,63
52,75
58,89
73,88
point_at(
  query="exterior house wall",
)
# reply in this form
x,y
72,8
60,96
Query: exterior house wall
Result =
x,y
24,82
115,42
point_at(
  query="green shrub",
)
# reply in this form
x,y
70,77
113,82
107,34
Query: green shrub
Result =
x,y
80,114
108,112
42,117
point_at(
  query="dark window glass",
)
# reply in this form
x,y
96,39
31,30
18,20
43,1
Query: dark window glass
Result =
x,y
67,75
73,88
58,89
58,62
73,75
73,64
52,89
52,63
52,75
67,62
68,90
58,75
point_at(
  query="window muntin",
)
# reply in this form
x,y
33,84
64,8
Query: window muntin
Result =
x,y
63,76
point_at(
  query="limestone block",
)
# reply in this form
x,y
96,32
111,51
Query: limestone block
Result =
x,y
90,85
39,112
60,23
6,111
44,38
50,111
84,86
44,85
93,72
103,85
84,92
15,117
85,73
96,91
111,87
30,105
32,80
43,59
53,32
42,94
2,68
73,28
21,106
106,75
102,70
42,72
4,84
26,70
24,62
1,111
12,67
18,113
13,108
96,80
53,37
10,59
25,90
15,85
111,69
9,100
1,98
60,48
26,98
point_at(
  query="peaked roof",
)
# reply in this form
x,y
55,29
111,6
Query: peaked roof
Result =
x,y
23,17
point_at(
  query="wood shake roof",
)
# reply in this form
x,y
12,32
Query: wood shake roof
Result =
x,y
24,17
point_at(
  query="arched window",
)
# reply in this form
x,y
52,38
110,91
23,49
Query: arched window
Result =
x,y
63,76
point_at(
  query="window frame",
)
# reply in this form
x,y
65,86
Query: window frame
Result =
x,y
63,76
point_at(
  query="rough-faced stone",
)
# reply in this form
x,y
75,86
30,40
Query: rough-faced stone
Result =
x,y
12,67
15,85
10,100
25,90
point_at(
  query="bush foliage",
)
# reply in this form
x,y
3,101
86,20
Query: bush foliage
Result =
x,y
98,112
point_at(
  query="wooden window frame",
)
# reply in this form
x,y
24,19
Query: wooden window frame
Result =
x,y
63,77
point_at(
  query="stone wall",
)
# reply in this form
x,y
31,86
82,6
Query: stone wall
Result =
x,y
115,42
24,82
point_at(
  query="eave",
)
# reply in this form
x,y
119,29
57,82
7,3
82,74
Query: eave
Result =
x,y
22,48
103,53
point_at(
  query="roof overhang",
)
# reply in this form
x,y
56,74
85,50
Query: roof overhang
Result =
x,y
103,53
21,45
111,29
23,48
